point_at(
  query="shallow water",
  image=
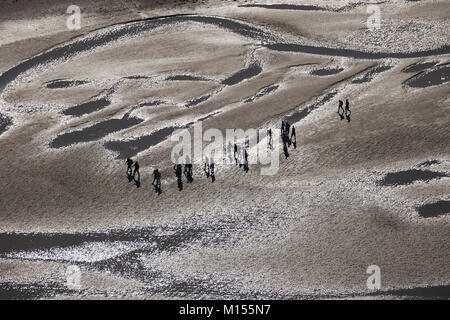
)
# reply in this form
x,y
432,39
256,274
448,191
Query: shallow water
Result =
x,y
432,78
326,72
58,84
352,53
285,7
409,176
417,67
251,71
130,148
87,107
185,77
434,209
95,132
197,101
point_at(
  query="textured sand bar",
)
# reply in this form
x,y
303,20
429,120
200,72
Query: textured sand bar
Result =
x,y
310,231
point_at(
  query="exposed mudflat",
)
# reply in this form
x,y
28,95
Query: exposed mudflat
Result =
x,y
367,187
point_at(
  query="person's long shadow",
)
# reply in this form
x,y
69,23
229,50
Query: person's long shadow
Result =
x,y
285,150
138,180
347,115
158,189
179,183
189,177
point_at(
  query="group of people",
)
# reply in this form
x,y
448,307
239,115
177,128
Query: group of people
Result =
x,y
208,168
178,169
287,136
240,158
240,155
345,112
132,174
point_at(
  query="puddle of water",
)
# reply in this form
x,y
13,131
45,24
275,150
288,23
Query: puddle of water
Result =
x,y
409,176
58,84
371,74
299,115
262,93
197,101
284,7
434,209
326,72
95,132
87,107
350,53
5,122
417,67
432,78
137,77
185,77
251,71
131,148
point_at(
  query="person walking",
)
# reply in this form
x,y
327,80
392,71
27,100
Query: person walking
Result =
x,y
294,137
340,107
129,164
270,140
136,170
287,127
211,166
157,178
347,110
178,171
188,172
206,167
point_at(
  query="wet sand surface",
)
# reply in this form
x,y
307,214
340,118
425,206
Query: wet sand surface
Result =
x,y
367,189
